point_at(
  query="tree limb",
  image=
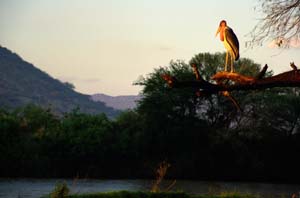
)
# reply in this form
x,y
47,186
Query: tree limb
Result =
x,y
240,82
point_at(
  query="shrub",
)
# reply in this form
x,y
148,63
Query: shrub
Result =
x,y
61,190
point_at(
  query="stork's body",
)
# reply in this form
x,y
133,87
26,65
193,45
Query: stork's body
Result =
x,y
231,43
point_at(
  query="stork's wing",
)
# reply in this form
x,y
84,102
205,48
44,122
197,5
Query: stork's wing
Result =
x,y
233,42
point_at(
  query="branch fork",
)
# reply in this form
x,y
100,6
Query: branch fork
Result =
x,y
238,82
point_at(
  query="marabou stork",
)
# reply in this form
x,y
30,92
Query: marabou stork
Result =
x,y
231,43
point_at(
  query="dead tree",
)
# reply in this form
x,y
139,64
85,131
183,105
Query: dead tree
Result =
x,y
237,82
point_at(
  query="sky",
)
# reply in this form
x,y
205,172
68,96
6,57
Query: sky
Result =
x,y
103,46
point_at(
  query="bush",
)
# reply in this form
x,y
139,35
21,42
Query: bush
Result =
x,y
61,190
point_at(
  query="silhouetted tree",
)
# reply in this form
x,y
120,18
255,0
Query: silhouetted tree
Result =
x,y
69,85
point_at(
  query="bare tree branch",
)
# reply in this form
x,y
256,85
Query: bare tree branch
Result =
x,y
239,82
280,23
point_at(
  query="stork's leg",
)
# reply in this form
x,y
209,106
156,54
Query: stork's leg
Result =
x,y
231,62
226,61
231,58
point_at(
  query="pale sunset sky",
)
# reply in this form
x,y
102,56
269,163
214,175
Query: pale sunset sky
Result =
x,y
103,46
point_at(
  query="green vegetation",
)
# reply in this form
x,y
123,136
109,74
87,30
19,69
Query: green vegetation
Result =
x,y
126,194
61,190
202,138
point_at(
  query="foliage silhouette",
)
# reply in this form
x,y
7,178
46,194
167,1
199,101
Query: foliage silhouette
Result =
x,y
202,138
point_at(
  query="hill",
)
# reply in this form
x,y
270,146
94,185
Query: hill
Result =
x,y
118,102
21,83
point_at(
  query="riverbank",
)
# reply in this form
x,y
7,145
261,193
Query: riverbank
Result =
x,y
141,194
33,188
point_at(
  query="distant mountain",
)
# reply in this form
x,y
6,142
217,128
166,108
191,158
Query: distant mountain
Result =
x,y
118,102
21,83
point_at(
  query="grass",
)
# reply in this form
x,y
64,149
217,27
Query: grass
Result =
x,y
155,192
61,190
128,194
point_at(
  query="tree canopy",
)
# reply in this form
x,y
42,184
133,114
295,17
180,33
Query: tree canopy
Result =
x,y
202,138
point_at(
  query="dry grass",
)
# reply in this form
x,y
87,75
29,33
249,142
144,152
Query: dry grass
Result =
x,y
160,174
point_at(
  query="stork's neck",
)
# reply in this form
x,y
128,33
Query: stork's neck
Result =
x,y
222,33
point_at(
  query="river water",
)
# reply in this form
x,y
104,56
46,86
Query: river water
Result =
x,y
35,188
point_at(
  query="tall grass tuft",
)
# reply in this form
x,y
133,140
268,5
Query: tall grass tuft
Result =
x,y
160,174
61,190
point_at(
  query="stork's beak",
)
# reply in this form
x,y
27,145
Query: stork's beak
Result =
x,y
218,30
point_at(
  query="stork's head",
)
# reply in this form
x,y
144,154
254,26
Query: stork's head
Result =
x,y
221,28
